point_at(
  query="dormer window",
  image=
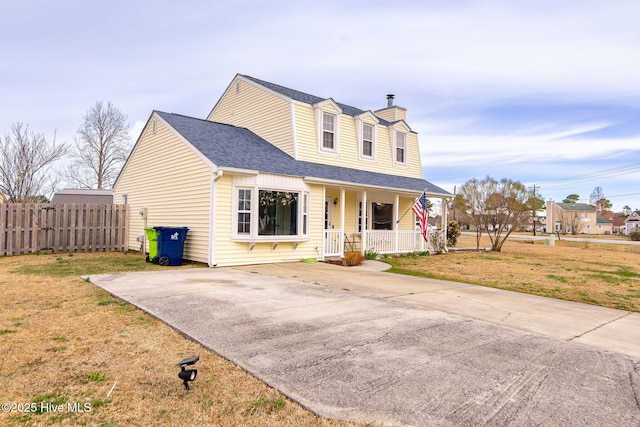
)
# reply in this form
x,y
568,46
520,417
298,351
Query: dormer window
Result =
x,y
367,140
366,129
329,131
400,149
327,114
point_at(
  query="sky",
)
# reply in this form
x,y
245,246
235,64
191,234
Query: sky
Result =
x,y
542,92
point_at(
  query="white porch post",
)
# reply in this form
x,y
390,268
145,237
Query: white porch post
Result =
x,y
342,202
324,231
363,235
396,213
444,222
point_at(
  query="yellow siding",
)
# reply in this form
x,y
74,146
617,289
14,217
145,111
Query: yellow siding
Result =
x,y
408,222
269,116
167,178
392,114
348,146
265,114
229,252
351,213
386,114
306,137
414,164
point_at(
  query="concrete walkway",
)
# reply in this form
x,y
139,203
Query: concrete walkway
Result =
x,y
363,345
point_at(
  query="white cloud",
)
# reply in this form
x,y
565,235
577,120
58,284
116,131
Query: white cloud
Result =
x,y
136,130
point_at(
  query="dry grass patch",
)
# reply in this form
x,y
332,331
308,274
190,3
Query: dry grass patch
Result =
x,y
63,341
587,272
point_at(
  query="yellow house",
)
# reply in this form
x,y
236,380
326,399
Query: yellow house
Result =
x,y
274,174
576,218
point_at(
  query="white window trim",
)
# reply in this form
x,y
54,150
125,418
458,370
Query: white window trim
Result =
x,y
320,131
395,147
364,222
237,210
253,235
360,136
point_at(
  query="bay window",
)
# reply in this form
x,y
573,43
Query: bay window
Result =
x,y
263,214
278,213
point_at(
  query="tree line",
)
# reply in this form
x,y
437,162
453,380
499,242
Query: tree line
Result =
x,y
500,207
99,149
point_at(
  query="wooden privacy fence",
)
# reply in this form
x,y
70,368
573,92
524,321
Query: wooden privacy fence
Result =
x,y
69,227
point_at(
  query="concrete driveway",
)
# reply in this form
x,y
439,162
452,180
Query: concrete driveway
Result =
x,y
359,345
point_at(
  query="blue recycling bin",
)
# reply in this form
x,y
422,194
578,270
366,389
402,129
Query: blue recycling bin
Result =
x,y
170,245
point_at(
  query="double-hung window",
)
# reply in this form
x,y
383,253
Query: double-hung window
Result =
x,y
327,120
305,214
367,140
328,131
401,148
244,211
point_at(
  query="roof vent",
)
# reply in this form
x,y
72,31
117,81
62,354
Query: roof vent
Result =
x,y
390,100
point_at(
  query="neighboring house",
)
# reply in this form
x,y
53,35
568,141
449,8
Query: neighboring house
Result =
x,y
274,174
603,225
617,223
83,196
632,223
575,218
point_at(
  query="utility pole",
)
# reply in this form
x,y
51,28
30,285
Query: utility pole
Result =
x,y
533,207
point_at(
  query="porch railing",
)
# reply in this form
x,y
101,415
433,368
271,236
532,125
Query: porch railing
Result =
x,y
394,241
400,241
333,243
384,242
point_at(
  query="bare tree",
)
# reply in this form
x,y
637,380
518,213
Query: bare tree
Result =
x,y
101,147
500,206
572,223
599,201
25,161
470,202
596,195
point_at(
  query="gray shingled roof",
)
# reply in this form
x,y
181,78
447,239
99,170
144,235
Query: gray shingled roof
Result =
x,y
581,207
309,99
234,147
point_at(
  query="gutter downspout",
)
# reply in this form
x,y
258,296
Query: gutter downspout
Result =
x,y
212,218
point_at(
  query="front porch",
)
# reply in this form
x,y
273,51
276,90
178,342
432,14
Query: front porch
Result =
x,y
376,221
336,242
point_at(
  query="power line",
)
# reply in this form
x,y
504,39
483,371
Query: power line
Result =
x,y
624,195
615,171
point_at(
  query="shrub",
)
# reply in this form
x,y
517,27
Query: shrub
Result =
x,y
635,235
371,255
352,258
453,231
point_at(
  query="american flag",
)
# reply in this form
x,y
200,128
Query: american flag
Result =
x,y
420,209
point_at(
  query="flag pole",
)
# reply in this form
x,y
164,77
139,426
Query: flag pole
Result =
x,y
411,205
